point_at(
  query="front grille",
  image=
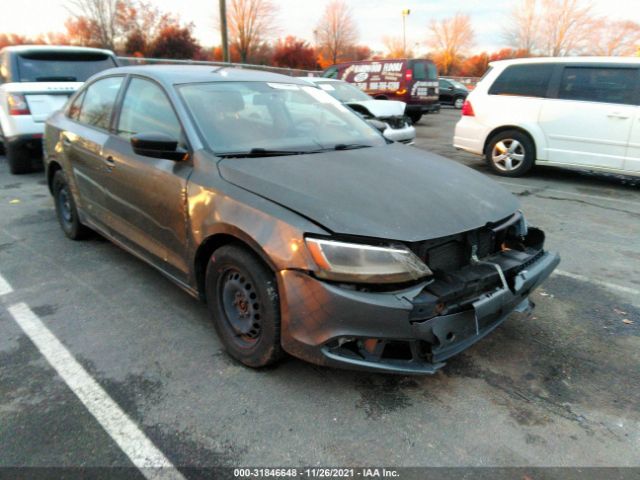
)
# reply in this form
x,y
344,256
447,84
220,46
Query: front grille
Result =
x,y
396,122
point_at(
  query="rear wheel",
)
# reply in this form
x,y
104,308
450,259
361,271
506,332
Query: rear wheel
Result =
x,y
510,153
415,116
242,297
458,102
66,210
18,158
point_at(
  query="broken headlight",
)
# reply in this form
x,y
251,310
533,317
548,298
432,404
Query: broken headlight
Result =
x,y
359,263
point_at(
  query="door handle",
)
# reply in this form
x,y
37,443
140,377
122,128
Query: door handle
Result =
x,y
110,162
617,115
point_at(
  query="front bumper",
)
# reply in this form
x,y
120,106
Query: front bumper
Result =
x,y
331,325
405,135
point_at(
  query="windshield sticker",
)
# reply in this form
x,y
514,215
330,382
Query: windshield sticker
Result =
x,y
284,86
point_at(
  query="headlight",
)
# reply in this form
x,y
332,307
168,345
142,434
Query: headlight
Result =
x,y
358,263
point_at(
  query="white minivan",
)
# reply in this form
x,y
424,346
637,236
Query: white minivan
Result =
x,y
35,81
580,113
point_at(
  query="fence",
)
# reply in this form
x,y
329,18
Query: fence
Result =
x,y
293,72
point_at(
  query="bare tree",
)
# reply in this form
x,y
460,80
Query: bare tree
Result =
x,y
449,39
250,22
565,26
521,29
336,31
103,15
610,38
395,48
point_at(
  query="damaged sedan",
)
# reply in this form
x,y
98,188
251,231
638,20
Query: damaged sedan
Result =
x,y
300,225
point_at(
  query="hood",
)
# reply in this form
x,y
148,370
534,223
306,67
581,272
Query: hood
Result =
x,y
382,108
393,192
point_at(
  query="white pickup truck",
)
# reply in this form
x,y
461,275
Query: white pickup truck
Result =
x,y
35,81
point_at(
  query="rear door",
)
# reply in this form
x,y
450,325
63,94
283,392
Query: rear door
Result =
x,y
588,121
84,144
146,195
423,86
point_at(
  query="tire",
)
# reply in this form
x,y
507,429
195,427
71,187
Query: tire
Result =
x,y
66,210
458,102
415,117
242,297
510,153
18,159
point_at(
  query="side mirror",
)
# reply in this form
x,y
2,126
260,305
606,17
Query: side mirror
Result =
x,y
157,145
450,88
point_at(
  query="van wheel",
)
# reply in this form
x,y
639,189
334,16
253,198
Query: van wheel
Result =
x,y
242,297
458,102
18,159
415,117
510,153
66,210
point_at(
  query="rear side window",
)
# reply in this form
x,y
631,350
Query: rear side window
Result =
x,y
599,84
424,70
523,80
146,109
99,100
61,66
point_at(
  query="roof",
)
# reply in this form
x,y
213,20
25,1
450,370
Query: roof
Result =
x,y
615,60
54,48
177,74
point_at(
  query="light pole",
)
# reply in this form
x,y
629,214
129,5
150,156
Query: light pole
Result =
x,y
223,30
405,12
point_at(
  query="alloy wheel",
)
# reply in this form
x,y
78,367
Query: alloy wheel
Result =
x,y
508,154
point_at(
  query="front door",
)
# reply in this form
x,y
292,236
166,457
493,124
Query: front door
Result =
x,y
589,122
632,160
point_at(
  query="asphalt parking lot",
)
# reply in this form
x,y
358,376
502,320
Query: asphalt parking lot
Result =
x,y
559,389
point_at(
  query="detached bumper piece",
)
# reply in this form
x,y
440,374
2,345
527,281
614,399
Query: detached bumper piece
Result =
x,y
426,326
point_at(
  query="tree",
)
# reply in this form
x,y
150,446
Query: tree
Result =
x,y
621,37
250,23
294,53
565,27
449,39
521,29
395,48
97,21
336,31
174,41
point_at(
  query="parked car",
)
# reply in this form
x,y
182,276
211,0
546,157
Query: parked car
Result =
x,y
36,80
452,92
302,228
396,125
412,81
579,113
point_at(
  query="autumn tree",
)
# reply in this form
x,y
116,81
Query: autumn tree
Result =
x,y
336,32
619,37
174,41
450,38
521,26
250,24
564,27
97,21
294,53
395,48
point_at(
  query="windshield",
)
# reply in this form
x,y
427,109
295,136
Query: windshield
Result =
x,y
236,117
344,92
61,66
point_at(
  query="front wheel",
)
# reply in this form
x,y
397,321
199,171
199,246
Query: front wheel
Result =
x,y
242,297
415,117
510,153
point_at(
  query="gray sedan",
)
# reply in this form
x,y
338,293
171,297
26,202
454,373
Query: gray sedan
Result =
x,y
299,224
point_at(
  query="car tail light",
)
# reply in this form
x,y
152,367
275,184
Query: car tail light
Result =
x,y
408,75
17,104
467,109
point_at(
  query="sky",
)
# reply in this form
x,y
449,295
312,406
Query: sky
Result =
x,y
375,18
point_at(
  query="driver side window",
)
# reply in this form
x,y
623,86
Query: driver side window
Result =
x,y
146,109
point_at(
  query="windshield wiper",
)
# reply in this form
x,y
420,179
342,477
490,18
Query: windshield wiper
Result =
x,y
56,79
349,146
264,152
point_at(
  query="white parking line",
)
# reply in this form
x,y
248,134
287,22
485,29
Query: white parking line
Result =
x,y
133,442
565,192
611,286
5,288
